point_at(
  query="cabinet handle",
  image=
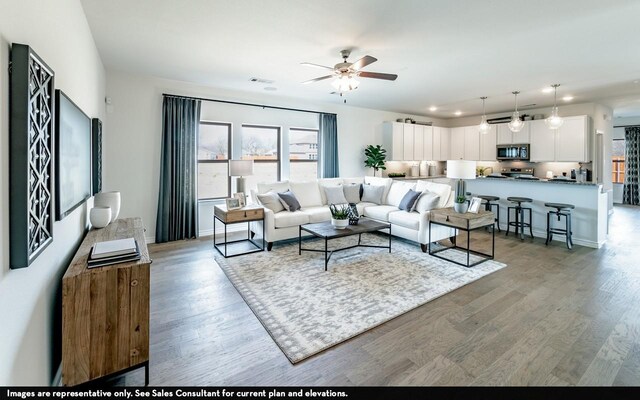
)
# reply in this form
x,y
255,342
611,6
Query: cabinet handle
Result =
x,y
134,282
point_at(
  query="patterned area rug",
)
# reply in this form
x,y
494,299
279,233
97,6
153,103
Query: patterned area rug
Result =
x,y
307,310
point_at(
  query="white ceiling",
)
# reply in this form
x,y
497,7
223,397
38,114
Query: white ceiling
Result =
x,y
447,53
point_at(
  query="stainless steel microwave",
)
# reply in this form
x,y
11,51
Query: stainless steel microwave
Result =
x,y
512,152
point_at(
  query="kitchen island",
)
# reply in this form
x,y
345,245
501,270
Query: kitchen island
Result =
x,y
589,218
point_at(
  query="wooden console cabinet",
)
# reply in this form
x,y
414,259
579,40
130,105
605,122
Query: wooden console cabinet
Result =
x,y
105,310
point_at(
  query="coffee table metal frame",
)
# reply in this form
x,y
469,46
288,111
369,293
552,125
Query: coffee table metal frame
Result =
x,y
350,230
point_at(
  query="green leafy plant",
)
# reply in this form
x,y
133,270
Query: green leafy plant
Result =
x,y
461,199
375,156
339,212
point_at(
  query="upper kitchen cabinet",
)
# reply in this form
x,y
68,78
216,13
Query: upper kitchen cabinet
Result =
x,y
415,142
393,140
407,142
457,143
427,144
418,142
441,139
543,142
471,143
570,143
488,145
505,136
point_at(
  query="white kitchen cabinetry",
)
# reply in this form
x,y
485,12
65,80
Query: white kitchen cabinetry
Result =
x,y
414,142
570,143
457,143
471,143
407,142
505,136
488,145
418,142
441,142
393,140
427,144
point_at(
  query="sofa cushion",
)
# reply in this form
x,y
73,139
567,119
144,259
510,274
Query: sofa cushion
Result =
x,y
307,193
289,201
275,186
351,181
271,200
372,193
317,214
379,212
397,191
386,182
328,182
427,201
441,189
335,195
409,200
352,192
288,219
362,206
409,220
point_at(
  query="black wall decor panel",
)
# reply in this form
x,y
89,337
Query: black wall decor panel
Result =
x,y
30,156
96,156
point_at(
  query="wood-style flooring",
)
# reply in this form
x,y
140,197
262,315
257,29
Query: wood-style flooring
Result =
x,y
552,317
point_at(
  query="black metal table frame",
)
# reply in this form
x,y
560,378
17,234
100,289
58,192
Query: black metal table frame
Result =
x,y
259,247
486,256
328,253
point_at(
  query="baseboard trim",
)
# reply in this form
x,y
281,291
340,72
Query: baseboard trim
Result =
x,y
542,234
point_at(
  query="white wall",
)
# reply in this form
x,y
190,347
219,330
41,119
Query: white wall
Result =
x,y
132,148
29,298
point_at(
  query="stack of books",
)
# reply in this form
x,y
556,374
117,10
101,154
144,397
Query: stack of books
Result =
x,y
113,252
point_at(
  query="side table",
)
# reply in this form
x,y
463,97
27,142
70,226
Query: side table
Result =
x,y
465,222
245,214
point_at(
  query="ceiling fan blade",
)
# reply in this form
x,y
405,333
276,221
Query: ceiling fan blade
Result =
x,y
363,62
316,65
317,79
378,75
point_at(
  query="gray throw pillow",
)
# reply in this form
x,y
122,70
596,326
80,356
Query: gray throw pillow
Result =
x,y
335,195
409,200
352,192
271,200
372,194
427,201
289,201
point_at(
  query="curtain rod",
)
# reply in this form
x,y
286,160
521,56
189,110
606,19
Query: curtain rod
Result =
x,y
626,126
247,104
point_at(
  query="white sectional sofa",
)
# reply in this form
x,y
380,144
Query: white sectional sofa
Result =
x,y
314,208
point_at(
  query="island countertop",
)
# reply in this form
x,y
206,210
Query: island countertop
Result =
x,y
556,181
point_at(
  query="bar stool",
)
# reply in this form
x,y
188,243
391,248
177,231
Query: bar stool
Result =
x,y
561,210
488,205
520,213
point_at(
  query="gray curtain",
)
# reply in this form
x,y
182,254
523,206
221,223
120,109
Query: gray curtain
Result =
x,y
328,165
177,200
632,165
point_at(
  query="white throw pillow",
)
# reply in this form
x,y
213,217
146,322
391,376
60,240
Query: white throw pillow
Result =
x,y
377,181
426,202
397,191
307,193
335,195
441,189
271,200
277,187
349,181
328,182
372,194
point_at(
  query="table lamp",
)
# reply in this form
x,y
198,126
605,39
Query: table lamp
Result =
x,y
240,168
461,170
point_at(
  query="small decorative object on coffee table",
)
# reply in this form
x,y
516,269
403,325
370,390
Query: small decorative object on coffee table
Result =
x,y
465,222
460,205
228,216
354,217
474,205
232,204
339,216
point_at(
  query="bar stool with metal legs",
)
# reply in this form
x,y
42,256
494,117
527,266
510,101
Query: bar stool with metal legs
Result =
x,y
488,205
520,213
561,210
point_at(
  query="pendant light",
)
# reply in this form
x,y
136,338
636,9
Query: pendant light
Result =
x,y
516,124
484,126
554,121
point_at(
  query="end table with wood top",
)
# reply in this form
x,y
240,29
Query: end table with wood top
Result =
x,y
246,214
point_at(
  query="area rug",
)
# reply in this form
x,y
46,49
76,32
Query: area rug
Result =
x,y
307,310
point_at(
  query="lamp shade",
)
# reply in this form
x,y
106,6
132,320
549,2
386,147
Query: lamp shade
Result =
x,y
461,169
240,167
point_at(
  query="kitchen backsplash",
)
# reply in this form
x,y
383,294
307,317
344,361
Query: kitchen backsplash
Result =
x,y
539,169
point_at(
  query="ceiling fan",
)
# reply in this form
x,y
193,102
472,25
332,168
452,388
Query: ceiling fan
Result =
x,y
345,73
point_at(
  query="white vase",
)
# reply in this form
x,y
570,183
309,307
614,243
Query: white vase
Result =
x,y
339,223
100,216
108,199
460,207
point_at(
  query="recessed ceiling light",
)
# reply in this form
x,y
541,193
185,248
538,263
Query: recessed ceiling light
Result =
x,y
458,113
547,90
433,108
567,98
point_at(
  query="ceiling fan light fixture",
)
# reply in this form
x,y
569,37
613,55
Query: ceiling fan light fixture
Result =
x,y
484,126
516,124
345,83
554,121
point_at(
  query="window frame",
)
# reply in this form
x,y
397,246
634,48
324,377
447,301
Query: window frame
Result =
x,y
229,125
279,144
615,167
303,160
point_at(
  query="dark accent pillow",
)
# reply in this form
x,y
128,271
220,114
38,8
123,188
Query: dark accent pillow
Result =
x,y
289,201
353,192
409,200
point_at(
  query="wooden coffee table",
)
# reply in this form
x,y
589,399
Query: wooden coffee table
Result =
x,y
326,231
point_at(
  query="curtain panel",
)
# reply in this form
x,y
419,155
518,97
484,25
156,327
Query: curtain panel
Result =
x,y
177,200
632,165
328,137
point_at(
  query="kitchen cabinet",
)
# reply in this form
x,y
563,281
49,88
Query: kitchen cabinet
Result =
x,y
505,136
570,143
414,142
418,142
471,143
407,142
427,144
457,143
488,145
441,141
393,140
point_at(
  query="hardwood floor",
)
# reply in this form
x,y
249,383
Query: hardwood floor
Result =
x,y
552,317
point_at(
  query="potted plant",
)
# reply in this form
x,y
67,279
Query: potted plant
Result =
x,y
375,156
460,205
339,216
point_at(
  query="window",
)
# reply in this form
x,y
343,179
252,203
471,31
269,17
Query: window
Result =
x,y
214,142
618,166
262,145
303,154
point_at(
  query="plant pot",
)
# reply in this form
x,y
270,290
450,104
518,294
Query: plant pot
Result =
x,y
460,207
339,223
108,199
100,216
